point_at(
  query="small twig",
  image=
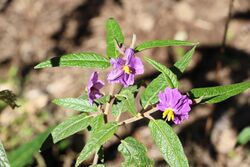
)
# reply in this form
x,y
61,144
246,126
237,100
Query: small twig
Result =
x,y
95,160
139,117
111,101
133,41
223,45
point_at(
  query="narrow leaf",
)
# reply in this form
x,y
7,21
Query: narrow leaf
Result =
x,y
71,126
134,153
150,95
218,93
114,33
22,156
168,143
170,77
180,66
101,135
244,136
85,59
162,43
97,122
4,162
78,104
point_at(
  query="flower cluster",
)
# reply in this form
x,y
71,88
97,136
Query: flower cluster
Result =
x,y
175,106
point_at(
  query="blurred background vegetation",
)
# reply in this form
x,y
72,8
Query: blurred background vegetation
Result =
x,y
32,31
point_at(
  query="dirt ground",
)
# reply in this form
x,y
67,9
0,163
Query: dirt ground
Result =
x,y
32,31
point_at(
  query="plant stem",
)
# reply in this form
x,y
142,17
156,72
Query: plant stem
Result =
x,y
106,111
139,117
95,160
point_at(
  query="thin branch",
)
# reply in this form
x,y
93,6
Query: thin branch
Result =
x,y
133,41
223,45
139,117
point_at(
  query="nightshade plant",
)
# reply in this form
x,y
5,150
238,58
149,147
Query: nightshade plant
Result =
x,y
160,95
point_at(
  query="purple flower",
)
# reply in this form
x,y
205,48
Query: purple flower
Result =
x,y
125,69
94,87
174,105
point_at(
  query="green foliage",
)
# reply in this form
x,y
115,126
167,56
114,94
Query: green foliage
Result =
x,y
4,162
114,34
22,156
244,136
162,43
103,100
218,93
9,98
119,108
98,138
127,99
134,153
170,77
71,126
85,59
168,143
97,122
181,65
78,104
150,94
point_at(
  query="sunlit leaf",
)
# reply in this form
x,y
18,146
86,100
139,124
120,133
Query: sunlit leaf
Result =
x,y
85,59
170,77
4,162
134,153
114,33
162,43
218,93
150,95
128,99
180,66
78,104
23,155
71,126
103,100
168,143
97,139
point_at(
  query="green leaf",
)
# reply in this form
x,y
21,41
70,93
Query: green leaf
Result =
x,y
162,43
71,126
118,108
113,33
134,153
168,143
170,77
4,162
101,135
150,95
244,136
218,93
22,156
78,104
103,99
128,99
180,66
97,122
85,59
133,89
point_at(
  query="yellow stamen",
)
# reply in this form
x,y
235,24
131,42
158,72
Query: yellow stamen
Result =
x,y
126,69
169,113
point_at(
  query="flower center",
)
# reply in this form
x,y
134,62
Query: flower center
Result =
x,y
126,69
169,113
